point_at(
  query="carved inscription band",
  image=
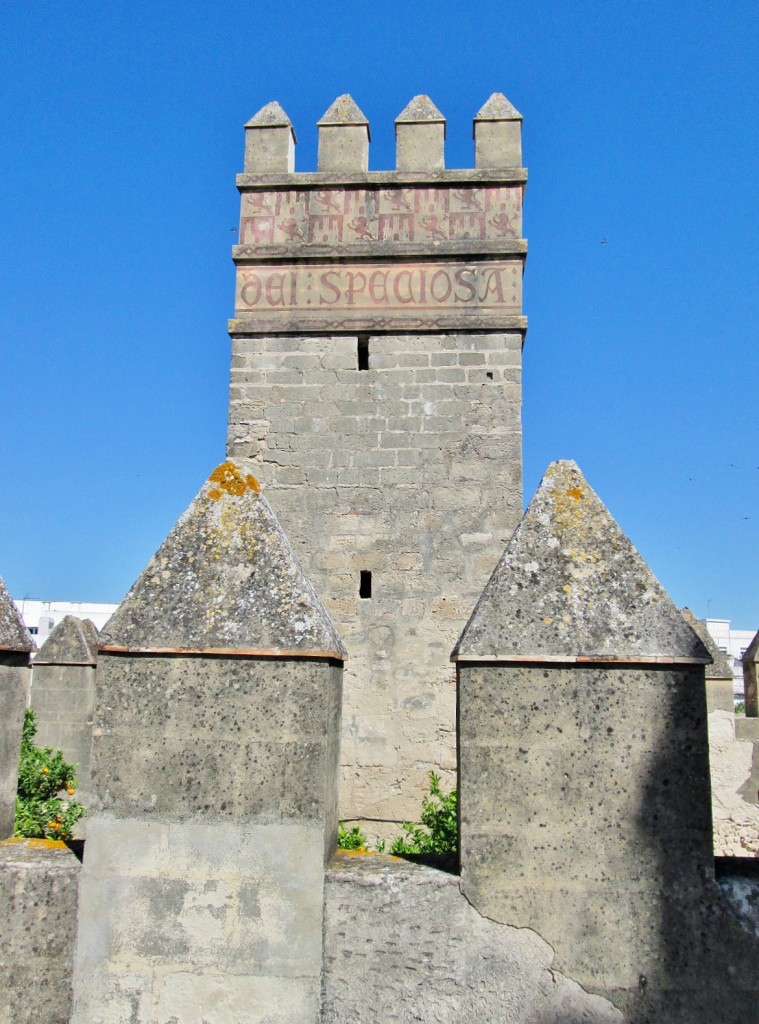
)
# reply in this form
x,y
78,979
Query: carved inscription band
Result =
x,y
386,289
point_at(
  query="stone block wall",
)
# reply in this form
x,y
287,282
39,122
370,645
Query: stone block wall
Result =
x,y
409,471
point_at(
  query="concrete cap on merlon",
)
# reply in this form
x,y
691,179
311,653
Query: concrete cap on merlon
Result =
x,y
225,580
14,636
74,641
570,587
720,667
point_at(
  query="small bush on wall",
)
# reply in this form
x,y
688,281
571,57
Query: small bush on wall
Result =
x,y
46,784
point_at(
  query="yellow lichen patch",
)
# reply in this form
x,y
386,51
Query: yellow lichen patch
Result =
x,y
43,844
547,620
574,492
231,481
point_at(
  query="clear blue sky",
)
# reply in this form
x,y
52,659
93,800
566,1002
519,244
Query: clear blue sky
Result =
x,y
121,136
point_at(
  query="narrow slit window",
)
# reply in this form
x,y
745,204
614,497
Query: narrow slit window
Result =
x,y
363,352
365,585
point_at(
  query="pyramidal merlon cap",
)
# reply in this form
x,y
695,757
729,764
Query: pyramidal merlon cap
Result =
x,y
720,667
271,116
225,579
498,108
14,636
421,110
570,586
344,111
74,641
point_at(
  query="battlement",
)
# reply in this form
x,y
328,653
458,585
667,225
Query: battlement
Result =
x,y
345,248
420,131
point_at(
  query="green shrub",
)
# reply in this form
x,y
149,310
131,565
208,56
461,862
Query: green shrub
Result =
x,y
350,840
740,708
440,820
42,811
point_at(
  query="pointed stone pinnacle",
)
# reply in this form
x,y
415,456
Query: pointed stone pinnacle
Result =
x,y
74,641
570,586
344,111
498,108
720,667
14,636
271,116
226,578
422,110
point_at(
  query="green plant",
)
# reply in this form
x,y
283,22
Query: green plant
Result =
x,y
740,708
353,839
440,820
42,810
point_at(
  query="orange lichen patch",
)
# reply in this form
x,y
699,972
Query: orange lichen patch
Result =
x,y
574,492
231,481
43,844
363,852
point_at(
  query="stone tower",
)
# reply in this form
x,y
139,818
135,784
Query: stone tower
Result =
x,y
376,361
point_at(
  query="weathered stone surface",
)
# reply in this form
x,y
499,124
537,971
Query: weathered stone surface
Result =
x,y
270,116
571,585
220,738
343,137
751,678
735,783
498,108
720,667
410,470
420,136
63,698
497,134
14,636
38,894
73,642
420,110
15,645
199,923
269,142
403,944
226,578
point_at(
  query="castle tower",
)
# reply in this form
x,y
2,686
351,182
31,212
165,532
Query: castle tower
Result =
x,y
376,360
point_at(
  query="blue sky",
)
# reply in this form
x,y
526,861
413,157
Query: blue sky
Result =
x,y
121,137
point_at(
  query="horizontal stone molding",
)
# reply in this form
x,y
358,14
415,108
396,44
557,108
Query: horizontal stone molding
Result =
x,y
461,248
224,652
350,323
577,659
316,179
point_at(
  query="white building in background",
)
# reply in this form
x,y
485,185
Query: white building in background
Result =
x,y
41,617
733,643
